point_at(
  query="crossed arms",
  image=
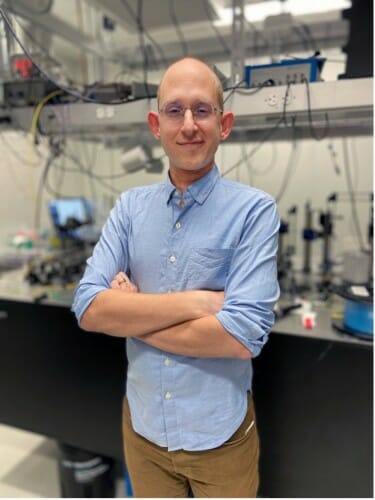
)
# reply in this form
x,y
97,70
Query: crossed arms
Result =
x,y
180,322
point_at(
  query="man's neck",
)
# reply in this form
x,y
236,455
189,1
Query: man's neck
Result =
x,y
181,179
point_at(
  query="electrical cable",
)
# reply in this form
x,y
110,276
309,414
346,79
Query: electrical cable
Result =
x,y
84,170
285,104
36,43
152,40
38,109
47,185
91,165
206,5
180,35
355,164
34,11
68,90
333,156
353,204
264,138
232,90
34,122
305,43
82,54
80,169
291,164
59,176
304,33
142,45
257,34
39,195
306,28
270,166
309,113
245,90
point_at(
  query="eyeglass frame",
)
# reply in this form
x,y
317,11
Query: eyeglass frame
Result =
x,y
181,116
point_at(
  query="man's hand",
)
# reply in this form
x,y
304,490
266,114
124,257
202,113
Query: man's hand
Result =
x,y
133,313
122,282
207,301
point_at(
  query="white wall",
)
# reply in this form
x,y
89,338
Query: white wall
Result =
x,y
312,177
312,174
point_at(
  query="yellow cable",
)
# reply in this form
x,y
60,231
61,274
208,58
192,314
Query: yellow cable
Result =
x,y
34,123
37,111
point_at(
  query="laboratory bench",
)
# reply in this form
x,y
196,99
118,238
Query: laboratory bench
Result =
x,y
312,390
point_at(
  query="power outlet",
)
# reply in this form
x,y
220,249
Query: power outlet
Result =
x,y
278,101
272,100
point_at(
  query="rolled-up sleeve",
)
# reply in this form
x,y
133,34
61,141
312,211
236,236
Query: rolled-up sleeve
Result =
x,y
110,256
252,288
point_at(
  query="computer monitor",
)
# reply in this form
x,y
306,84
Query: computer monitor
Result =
x,y
69,214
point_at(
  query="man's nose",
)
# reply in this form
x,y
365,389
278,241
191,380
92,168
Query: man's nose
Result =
x,y
188,124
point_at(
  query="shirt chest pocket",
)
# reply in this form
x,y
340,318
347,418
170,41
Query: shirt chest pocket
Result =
x,y
208,267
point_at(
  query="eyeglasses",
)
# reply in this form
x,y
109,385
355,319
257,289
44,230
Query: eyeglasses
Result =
x,y
201,111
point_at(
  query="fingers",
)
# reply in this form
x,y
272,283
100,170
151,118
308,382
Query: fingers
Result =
x,y
122,282
115,285
121,278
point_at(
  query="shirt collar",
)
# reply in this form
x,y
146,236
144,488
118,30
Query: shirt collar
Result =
x,y
199,190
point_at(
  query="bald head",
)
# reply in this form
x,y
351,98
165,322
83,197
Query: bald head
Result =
x,y
189,137
191,67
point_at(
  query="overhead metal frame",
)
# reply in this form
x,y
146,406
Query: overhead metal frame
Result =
x,y
326,31
201,40
154,14
238,54
56,26
348,104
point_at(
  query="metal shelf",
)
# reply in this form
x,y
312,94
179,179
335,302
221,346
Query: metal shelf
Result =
x,y
345,107
348,104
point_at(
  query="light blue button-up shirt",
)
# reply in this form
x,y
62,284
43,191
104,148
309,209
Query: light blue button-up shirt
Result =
x,y
223,236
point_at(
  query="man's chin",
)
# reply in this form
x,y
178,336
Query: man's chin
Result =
x,y
194,167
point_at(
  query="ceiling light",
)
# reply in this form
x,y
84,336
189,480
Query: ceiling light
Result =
x,y
259,11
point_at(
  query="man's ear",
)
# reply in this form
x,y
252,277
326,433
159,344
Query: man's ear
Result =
x,y
227,121
153,123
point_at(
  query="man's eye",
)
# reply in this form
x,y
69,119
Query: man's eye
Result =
x,y
202,110
174,110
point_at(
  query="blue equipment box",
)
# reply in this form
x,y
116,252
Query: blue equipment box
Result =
x,y
284,72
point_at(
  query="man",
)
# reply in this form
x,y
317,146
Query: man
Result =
x,y
186,271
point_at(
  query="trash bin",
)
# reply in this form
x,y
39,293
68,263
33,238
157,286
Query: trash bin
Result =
x,y
84,474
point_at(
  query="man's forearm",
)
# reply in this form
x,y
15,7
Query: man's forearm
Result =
x,y
203,337
132,314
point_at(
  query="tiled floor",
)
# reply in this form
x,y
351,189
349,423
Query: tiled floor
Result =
x,y
28,466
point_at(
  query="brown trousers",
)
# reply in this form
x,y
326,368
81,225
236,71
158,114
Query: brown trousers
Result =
x,y
231,470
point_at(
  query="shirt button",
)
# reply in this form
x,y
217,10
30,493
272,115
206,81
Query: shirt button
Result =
x,y
168,395
167,362
172,258
178,225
